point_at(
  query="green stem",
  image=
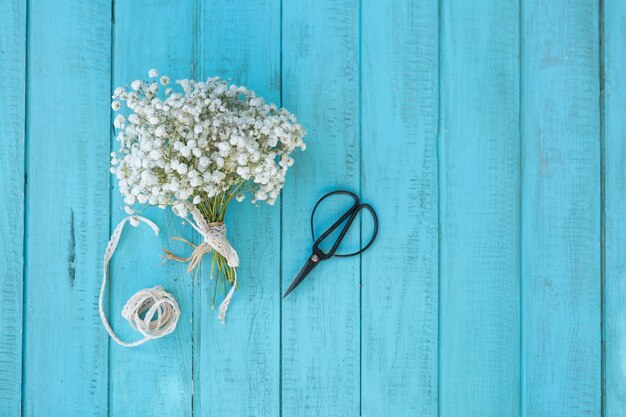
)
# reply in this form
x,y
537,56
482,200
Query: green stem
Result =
x,y
214,285
214,210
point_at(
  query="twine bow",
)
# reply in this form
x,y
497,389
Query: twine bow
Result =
x,y
214,238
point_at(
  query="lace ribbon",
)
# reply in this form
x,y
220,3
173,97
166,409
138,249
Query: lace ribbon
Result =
x,y
151,301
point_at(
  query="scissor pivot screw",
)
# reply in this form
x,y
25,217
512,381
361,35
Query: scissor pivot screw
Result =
x,y
315,258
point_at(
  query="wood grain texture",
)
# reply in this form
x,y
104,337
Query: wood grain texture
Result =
x,y
12,118
65,347
156,378
561,208
399,104
320,320
479,209
614,61
238,363
478,132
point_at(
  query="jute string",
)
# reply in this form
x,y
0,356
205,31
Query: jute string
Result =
x,y
214,238
159,308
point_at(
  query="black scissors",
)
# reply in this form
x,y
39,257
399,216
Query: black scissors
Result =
x,y
318,254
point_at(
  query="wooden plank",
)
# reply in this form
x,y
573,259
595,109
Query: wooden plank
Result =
x,y
614,256
65,347
239,362
399,160
151,35
561,208
12,84
320,320
479,209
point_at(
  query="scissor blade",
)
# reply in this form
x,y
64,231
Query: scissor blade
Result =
x,y
308,267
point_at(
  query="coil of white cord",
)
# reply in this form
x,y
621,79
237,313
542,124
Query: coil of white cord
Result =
x,y
159,308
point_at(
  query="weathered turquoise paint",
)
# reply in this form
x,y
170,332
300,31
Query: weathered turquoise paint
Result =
x,y
479,209
614,189
399,87
163,385
244,355
561,268
65,361
12,84
487,134
321,320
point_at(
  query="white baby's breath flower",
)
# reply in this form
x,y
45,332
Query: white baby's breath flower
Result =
x,y
159,131
185,151
119,121
204,141
203,162
156,154
153,73
244,172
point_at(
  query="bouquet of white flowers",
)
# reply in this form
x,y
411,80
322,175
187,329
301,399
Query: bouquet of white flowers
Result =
x,y
198,149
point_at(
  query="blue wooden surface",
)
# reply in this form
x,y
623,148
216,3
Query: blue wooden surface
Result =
x,y
163,387
479,194
399,87
561,214
614,189
65,360
244,355
320,322
489,135
12,83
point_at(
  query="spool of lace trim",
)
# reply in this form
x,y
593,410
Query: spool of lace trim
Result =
x,y
153,312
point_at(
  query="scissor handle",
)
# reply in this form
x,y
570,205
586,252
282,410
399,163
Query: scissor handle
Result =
x,y
350,214
364,248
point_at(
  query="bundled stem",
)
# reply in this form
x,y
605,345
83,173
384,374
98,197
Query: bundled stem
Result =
x,y
214,210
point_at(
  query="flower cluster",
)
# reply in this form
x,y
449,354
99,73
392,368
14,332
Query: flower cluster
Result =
x,y
200,141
